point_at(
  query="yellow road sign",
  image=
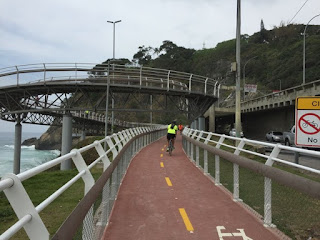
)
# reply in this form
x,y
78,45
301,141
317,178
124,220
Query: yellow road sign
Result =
x,y
308,103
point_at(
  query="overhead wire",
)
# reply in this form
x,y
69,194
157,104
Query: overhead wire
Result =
x,y
298,11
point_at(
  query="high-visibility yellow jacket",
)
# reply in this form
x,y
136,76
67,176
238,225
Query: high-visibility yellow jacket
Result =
x,y
172,130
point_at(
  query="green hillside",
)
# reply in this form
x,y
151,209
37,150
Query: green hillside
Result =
x,y
277,57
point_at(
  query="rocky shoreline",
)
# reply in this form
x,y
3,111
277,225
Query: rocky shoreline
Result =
x,y
50,140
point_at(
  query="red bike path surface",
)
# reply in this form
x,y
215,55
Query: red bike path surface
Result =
x,y
169,198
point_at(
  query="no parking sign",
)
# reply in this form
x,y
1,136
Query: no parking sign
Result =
x,y
308,121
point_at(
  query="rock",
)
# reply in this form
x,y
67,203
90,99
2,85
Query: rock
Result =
x,y
29,142
50,140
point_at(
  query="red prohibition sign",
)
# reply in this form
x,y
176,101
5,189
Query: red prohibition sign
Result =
x,y
302,120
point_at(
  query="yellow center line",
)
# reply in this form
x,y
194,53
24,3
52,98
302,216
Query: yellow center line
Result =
x,y
186,220
161,155
161,164
162,149
168,182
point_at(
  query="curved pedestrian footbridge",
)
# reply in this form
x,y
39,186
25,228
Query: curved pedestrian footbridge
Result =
x,y
42,93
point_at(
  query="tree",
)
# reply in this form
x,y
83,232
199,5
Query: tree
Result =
x,y
144,55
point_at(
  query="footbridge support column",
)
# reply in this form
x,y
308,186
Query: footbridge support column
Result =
x,y
66,143
193,124
201,123
83,135
212,119
17,147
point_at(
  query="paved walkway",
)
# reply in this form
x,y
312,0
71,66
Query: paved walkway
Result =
x,y
169,198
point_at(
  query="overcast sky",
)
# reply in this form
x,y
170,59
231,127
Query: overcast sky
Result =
x,y
43,31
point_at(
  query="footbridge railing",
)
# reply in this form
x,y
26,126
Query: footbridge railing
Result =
x,y
124,74
280,192
283,98
90,217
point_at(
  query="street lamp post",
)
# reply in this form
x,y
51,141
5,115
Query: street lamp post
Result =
x,y
280,84
238,71
244,76
114,43
114,35
304,50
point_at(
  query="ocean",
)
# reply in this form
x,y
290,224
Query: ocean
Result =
x,y
30,157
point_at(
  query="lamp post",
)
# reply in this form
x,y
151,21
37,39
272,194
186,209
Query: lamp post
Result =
x,y
114,36
238,71
244,76
280,84
114,43
304,50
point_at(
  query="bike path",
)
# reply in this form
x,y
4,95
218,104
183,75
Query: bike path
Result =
x,y
169,198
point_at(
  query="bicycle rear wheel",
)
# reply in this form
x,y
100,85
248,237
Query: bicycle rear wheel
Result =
x,y
170,147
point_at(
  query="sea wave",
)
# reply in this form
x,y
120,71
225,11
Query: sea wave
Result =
x,y
56,152
32,147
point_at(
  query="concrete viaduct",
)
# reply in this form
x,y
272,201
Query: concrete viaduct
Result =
x,y
274,111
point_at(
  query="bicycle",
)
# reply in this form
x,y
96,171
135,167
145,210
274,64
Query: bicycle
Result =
x,y
313,123
170,147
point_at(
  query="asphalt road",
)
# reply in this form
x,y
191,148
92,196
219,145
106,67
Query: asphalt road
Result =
x,y
304,159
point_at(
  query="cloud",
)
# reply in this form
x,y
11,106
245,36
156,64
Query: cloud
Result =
x,y
38,31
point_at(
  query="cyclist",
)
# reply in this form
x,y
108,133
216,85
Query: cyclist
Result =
x,y
180,128
172,130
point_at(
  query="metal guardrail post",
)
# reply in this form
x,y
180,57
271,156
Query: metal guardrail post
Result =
x,y
188,144
102,153
205,155
44,72
140,143
118,143
191,152
268,190
17,75
135,146
106,190
217,162
140,77
113,190
205,86
198,149
122,137
215,89
119,171
190,83
112,147
105,206
76,71
132,133
88,180
23,206
81,165
197,156
236,173
168,81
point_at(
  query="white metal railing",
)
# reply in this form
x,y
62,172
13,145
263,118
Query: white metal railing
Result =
x,y
276,148
101,118
28,215
219,140
122,74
